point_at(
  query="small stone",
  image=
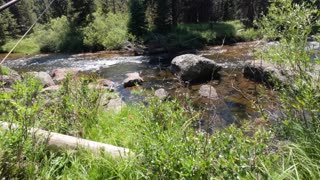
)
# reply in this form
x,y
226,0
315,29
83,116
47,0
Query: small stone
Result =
x,y
132,79
208,91
58,75
108,84
161,94
52,88
115,105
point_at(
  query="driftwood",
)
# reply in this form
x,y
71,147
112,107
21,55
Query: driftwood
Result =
x,y
72,143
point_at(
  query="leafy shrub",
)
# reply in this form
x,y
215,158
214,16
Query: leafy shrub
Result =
x,y
52,37
4,70
250,34
26,46
300,98
106,31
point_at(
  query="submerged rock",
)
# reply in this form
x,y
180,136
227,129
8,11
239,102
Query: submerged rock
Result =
x,y
208,91
44,77
161,94
58,75
190,67
261,71
132,79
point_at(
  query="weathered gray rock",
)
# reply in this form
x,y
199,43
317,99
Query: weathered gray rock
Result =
x,y
6,90
161,94
9,77
52,88
108,84
60,74
44,77
190,67
8,81
115,105
261,71
208,91
132,79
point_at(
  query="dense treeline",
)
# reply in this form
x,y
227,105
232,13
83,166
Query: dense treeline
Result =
x,y
78,25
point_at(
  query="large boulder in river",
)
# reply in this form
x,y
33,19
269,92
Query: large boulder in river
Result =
x,y
267,73
44,78
190,67
58,75
207,91
132,79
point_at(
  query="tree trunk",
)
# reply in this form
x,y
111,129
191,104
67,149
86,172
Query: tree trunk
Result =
x,y
62,141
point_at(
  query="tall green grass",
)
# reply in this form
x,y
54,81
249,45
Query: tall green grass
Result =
x,y
299,98
161,134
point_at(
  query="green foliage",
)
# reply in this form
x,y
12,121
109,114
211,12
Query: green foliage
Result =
x,y
80,12
16,144
137,19
300,98
287,20
7,25
170,148
52,37
106,31
26,46
24,15
4,70
193,36
162,20
160,134
250,34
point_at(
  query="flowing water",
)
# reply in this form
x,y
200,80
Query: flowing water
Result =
x,y
236,93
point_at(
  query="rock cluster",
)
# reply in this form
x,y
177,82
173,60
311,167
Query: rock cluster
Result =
x,y
267,73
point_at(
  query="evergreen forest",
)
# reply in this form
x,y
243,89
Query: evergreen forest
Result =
x,y
160,89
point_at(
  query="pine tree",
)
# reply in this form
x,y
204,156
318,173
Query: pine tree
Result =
x,y
7,25
24,13
162,20
137,21
81,12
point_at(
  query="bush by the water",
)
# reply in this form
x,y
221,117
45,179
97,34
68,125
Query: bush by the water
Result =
x,y
26,46
52,37
106,31
196,36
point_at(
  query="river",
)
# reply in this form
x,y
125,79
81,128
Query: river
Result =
x,y
236,93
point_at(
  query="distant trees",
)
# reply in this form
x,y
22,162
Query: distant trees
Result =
x,y
137,19
24,14
162,14
162,20
144,15
80,12
7,25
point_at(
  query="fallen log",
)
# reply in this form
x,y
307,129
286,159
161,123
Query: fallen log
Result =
x,y
72,143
